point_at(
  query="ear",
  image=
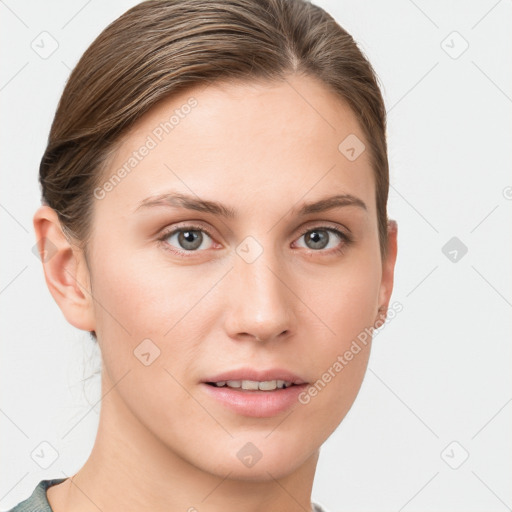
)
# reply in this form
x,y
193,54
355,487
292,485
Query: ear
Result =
x,y
388,271
65,269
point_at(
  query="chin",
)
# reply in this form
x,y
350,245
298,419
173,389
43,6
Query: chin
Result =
x,y
260,457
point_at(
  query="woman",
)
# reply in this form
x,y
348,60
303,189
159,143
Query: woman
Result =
x,y
214,213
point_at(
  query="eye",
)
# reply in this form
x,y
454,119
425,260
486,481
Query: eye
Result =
x,y
186,239
324,237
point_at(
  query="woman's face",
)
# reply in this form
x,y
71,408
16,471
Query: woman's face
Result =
x,y
244,276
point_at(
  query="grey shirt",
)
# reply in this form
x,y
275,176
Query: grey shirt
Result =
x,y
38,502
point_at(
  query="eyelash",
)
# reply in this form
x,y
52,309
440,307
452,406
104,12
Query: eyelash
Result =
x,y
346,240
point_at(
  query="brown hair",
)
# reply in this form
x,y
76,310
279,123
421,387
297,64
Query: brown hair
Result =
x,y
160,47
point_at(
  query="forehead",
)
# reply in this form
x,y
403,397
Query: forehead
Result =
x,y
242,142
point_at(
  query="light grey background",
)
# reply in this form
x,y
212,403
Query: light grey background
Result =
x,y
438,387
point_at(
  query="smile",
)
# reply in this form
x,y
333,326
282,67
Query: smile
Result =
x,y
252,385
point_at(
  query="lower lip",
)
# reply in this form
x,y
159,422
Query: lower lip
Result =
x,y
256,404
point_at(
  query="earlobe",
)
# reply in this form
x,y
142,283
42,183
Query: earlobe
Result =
x,y
388,271
65,269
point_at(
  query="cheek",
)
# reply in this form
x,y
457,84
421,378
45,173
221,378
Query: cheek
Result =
x,y
137,303
345,300
346,305
144,298
150,307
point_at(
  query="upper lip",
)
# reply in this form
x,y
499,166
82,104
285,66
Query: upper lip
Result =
x,y
256,375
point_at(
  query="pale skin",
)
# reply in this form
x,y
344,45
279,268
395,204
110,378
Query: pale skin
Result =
x,y
263,151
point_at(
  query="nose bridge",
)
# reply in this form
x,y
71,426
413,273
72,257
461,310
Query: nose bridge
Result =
x,y
260,304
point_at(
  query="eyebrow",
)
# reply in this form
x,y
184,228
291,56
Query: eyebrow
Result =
x,y
190,202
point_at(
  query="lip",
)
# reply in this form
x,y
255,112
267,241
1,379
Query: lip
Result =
x,y
255,404
259,375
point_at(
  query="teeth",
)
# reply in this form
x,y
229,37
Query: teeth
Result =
x,y
253,385
268,385
249,384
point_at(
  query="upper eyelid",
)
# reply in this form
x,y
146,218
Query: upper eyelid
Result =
x,y
193,226
168,231
326,226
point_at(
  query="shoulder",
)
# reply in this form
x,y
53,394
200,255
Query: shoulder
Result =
x,y
316,507
37,501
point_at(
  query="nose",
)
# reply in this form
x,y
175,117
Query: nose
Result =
x,y
260,302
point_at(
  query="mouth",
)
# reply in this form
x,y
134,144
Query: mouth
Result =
x,y
255,393
251,379
253,385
